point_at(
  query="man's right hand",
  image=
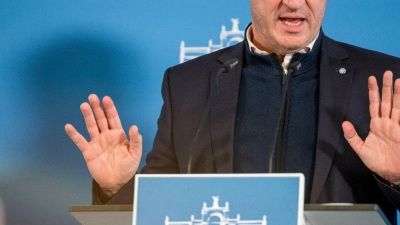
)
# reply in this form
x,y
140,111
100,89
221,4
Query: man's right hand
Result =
x,y
111,158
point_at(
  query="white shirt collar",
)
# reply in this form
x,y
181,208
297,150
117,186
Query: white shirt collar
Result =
x,y
288,57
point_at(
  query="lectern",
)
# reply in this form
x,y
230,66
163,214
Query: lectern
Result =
x,y
314,214
222,199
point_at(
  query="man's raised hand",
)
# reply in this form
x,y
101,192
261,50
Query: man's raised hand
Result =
x,y
380,151
111,158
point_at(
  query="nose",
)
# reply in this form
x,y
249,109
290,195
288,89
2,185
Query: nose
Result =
x,y
293,4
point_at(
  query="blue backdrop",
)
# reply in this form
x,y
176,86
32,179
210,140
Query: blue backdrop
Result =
x,y
53,54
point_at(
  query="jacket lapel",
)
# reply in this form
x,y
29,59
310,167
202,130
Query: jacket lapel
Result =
x,y
335,85
223,110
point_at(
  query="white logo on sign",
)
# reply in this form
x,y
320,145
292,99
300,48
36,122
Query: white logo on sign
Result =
x,y
216,215
226,37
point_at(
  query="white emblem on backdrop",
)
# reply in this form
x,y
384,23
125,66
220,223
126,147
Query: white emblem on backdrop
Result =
x,y
226,38
216,215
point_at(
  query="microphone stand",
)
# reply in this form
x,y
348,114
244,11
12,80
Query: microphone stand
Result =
x,y
225,68
292,70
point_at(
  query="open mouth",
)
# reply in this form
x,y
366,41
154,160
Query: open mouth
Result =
x,y
293,22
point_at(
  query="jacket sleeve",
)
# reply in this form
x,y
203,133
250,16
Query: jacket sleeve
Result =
x,y
391,193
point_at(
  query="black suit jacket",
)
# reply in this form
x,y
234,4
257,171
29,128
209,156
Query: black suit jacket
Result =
x,y
339,174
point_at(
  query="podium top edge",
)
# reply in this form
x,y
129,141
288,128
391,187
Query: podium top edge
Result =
x,y
307,207
101,208
341,207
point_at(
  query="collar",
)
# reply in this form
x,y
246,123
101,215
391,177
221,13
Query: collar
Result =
x,y
288,57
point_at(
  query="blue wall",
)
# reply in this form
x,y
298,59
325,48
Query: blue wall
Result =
x,y
53,54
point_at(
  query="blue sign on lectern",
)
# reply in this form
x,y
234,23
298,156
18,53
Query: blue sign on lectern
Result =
x,y
220,199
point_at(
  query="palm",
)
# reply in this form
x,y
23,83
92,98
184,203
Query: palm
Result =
x,y
111,159
380,151
377,151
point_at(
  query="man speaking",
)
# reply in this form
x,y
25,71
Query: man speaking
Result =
x,y
336,126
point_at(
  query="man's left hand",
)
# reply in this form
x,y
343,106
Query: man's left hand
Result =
x,y
380,151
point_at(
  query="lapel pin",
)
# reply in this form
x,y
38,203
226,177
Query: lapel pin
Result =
x,y
342,71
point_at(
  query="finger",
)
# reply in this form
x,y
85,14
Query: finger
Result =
x,y
374,97
111,113
387,94
352,137
98,111
395,116
135,142
90,121
76,137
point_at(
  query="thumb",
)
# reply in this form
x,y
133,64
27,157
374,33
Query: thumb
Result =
x,y
135,142
352,137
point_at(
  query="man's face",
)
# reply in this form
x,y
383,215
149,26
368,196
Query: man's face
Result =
x,y
286,26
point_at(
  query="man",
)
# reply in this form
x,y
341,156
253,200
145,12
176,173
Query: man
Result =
x,y
331,88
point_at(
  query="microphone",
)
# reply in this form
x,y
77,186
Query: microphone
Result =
x,y
291,71
228,66
225,68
